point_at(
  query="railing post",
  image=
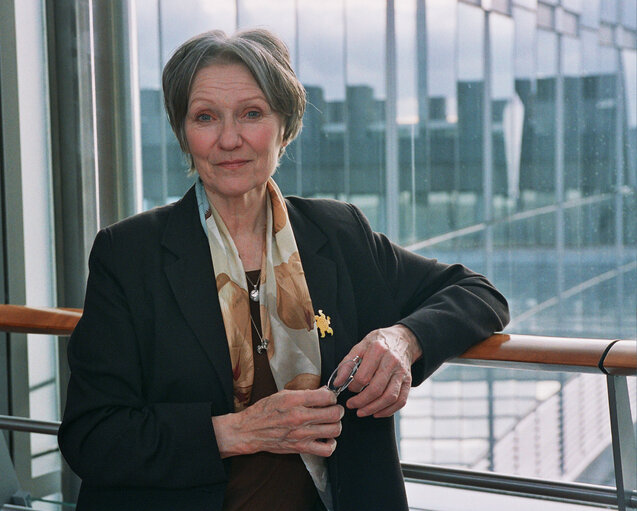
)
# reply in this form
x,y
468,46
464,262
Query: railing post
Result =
x,y
623,438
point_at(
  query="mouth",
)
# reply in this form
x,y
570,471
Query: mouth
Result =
x,y
231,164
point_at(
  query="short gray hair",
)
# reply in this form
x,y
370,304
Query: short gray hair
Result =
x,y
263,53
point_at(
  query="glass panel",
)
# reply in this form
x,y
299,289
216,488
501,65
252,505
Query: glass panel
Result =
x,y
545,16
608,10
529,4
446,424
566,23
439,124
410,58
544,144
467,199
629,67
500,5
606,34
365,103
590,13
526,93
276,16
574,5
321,69
507,116
629,13
483,419
573,111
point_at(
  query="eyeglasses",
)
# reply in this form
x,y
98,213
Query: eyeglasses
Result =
x,y
344,372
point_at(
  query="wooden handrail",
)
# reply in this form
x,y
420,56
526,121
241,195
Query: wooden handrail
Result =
x,y
38,320
569,354
500,350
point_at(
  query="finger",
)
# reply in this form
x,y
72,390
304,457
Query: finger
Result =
x,y
387,398
343,372
301,417
323,448
316,398
377,355
316,431
345,366
372,390
325,415
400,402
368,368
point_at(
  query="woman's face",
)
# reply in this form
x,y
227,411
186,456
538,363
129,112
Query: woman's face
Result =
x,y
233,135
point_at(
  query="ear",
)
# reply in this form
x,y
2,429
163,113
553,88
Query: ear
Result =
x,y
284,141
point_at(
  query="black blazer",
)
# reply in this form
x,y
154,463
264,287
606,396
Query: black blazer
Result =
x,y
149,357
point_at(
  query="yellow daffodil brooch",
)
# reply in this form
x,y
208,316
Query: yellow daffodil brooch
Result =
x,y
323,324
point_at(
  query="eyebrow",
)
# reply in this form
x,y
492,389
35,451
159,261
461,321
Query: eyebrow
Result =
x,y
196,99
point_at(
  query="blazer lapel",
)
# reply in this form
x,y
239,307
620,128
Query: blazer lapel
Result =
x,y
192,279
321,276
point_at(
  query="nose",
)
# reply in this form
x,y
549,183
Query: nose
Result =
x,y
230,136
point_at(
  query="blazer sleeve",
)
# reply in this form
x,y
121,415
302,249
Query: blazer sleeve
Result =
x,y
111,435
448,307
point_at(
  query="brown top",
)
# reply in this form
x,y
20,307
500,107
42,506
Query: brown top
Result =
x,y
266,481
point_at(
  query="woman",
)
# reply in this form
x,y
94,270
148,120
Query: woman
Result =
x,y
211,325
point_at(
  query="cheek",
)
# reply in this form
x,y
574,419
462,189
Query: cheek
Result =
x,y
268,141
197,141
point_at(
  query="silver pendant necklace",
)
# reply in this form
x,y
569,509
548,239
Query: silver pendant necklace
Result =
x,y
254,296
254,292
263,344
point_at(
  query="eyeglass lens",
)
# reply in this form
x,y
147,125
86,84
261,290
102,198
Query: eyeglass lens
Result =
x,y
343,375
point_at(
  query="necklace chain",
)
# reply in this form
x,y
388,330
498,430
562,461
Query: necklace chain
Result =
x,y
254,294
250,280
263,344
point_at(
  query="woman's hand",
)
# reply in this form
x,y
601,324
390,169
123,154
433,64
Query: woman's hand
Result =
x,y
383,379
290,421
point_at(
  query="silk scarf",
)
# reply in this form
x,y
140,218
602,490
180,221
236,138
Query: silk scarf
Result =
x,y
285,306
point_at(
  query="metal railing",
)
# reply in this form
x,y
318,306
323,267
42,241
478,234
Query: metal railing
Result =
x,y
612,359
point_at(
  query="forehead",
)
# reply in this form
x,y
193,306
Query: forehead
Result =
x,y
224,81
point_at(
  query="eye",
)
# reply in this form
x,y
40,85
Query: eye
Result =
x,y
203,117
253,114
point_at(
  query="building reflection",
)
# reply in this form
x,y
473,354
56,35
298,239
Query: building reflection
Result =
x,y
516,156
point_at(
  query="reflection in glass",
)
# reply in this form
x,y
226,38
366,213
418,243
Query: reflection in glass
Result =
x,y
321,146
365,104
437,161
590,13
470,91
461,416
507,116
608,10
408,66
629,68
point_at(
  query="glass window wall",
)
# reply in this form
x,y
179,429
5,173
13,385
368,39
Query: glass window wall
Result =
x,y
516,156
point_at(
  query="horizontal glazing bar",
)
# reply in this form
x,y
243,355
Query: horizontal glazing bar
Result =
x,y
29,425
512,485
